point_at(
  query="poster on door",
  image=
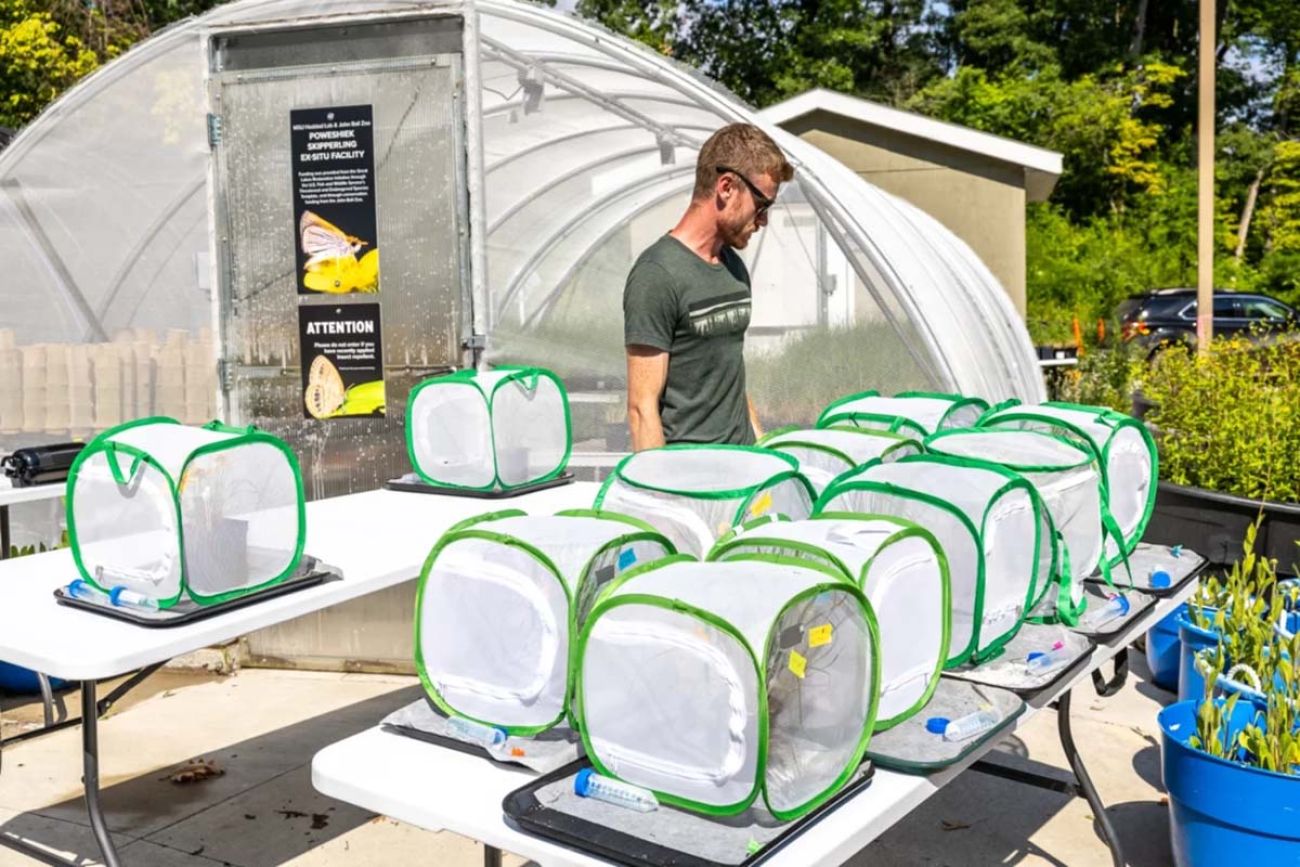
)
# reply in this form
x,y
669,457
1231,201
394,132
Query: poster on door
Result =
x,y
334,199
342,361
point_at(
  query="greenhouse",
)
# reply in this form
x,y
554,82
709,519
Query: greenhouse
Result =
x,y
523,158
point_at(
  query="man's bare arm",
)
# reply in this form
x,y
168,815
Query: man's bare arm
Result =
x,y
647,372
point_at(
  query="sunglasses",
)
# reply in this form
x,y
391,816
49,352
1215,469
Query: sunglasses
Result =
x,y
762,201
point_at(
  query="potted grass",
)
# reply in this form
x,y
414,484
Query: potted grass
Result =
x,y
1228,427
1232,763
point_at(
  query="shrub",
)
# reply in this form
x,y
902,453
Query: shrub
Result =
x,y
1229,422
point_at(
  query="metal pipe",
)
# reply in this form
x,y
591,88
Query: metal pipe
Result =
x,y
1205,183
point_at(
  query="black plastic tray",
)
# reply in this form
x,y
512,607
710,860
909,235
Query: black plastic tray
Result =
x,y
532,817
183,618
426,488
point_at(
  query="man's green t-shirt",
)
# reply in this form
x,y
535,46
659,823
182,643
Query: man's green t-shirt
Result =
x,y
696,312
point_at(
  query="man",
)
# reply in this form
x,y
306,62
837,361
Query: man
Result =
x,y
687,300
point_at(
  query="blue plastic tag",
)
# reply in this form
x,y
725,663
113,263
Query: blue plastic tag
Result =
x,y
626,559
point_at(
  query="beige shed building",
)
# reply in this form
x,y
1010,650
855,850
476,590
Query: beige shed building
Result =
x,y
974,183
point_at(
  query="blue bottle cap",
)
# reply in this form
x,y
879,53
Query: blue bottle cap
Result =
x,y
1160,578
114,594
1124,605
1031,657
935,725
582,782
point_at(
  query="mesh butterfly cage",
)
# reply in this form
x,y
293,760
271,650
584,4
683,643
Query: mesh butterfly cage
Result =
x,y
175,512
695,493
489,430
1126,456
710,682
1067,479
824,453
903,573
991,525
911,413
500,600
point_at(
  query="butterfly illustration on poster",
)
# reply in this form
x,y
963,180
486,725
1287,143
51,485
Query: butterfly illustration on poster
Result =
x,y
343,362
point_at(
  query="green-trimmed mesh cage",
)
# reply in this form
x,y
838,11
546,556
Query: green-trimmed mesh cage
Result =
x,y
710,682
489,430
500,601
1068,480
902,571
824,453
695,493
1125,451
991,525
176,512
911,413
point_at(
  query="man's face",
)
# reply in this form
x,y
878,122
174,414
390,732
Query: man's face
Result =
x,y
745,203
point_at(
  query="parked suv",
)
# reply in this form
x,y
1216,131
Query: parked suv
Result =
x,y
1168,317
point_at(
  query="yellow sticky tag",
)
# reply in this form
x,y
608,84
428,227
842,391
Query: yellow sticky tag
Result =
x,y
798,664
761,505
819,635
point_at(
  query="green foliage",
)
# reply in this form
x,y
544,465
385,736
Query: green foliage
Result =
x,y
41,548
37,61
1106,378
1230,422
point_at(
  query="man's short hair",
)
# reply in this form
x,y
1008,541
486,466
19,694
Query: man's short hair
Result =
x,y
744,148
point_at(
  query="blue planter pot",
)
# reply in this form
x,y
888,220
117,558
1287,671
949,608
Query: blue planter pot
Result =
x,y
1224,813
1191,639
16,679
1164,650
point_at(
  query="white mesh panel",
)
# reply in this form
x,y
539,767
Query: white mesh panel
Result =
x,y
905,589
818,466
925,411
963,416
494,634
1009,563
239,508
126,534
692,524
530,429
788,498
169,444
451,434
700,743
1128,479
815,720
954,538
702,470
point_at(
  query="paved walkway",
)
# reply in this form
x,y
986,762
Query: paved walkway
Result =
x,y
262,728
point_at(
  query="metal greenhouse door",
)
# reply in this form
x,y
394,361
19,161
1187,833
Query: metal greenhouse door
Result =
x,y
332,142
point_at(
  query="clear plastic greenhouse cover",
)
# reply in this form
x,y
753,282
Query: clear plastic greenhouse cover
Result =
x,y
588,148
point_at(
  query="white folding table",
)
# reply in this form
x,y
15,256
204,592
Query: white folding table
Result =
x,y
376,539
437,788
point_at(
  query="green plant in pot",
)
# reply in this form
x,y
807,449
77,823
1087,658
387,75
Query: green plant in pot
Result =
x,y
1232,763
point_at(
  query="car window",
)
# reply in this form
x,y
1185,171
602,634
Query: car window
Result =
x,y
1188,311
1263,308
1226,308
1164,307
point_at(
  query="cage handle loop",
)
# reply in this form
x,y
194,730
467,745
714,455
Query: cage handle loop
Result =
x,y
110,455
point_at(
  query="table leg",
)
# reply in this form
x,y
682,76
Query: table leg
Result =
x,y
491,856
1085,782
90,780
4,532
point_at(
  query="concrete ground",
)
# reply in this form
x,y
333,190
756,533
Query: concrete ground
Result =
x,y
262,728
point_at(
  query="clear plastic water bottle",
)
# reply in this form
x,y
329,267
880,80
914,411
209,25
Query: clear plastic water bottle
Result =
x,y
963,728
478,733
1041,662
590,784
1115,608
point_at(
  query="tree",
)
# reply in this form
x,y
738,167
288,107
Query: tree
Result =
x,y
37,61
